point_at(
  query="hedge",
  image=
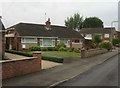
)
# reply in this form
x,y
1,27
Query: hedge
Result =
x,y
19,53
54,59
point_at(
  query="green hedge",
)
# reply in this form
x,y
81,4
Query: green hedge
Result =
x,y
19,53
54,59
35,48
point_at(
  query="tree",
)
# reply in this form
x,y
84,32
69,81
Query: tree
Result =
x,y
92,22
74,22
97,39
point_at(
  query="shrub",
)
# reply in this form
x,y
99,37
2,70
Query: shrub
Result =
x,y
54,59
96,40
44,49
56,48
35,48
115,42
76,50
51,48
106,45
70,49
61,45
62,49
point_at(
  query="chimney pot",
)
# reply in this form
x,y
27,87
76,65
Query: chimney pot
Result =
x,y
48,24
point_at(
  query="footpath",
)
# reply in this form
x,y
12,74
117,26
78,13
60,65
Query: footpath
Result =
x,y
53,76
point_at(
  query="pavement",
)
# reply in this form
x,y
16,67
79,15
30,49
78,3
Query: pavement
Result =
x,y
105,74
45,64
53,76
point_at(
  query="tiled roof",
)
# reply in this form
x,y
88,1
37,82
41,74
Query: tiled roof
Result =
x,y
96,30
28,29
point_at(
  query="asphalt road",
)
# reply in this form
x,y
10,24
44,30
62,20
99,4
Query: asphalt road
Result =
x,y
105,74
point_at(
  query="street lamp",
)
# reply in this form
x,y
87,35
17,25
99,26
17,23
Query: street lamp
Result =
x,y
113,22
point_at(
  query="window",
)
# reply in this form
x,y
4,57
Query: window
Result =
x,y
88,35
106,35
23,46
47,42
29,40
76,41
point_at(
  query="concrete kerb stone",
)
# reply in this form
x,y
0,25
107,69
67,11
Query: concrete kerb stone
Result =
x,y
65,80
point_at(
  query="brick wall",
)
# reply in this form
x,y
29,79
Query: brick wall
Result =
x,y
92,52
19,67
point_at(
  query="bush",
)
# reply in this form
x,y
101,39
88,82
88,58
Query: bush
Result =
x,y
62,49
19,53
61,45
35,48
56,48
44,49
115,42
76,50
54,59
106,45
96,40
51,48
70,49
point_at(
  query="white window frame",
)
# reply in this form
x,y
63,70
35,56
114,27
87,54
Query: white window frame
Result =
x,y
106,35
23,40
42,40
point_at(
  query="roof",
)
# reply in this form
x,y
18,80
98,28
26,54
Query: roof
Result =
x,y
39,30
1,25
96,30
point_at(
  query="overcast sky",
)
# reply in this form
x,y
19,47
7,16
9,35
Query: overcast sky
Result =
x,y
33,11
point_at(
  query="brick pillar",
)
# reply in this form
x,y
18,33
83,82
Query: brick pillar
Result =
x,y
39,56
83,53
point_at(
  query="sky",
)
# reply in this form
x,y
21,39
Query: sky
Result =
x,y
33,11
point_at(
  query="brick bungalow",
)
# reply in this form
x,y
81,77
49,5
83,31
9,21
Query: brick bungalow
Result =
x,y
2,39
24,35
107,34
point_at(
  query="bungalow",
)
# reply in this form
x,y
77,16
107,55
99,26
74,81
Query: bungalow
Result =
x,y
107,34
23,35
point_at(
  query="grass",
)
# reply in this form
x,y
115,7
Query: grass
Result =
x,y
60,54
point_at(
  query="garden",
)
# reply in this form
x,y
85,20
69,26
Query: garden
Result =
x,y
55,54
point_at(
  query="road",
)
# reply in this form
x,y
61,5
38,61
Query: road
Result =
x,y
105,74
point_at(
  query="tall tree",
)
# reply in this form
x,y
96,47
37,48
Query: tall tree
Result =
x,y
93,22
74,22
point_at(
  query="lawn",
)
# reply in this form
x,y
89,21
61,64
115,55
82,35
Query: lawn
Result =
x,y
60,54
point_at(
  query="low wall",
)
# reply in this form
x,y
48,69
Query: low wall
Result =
x,y
92,52
76,45
12,68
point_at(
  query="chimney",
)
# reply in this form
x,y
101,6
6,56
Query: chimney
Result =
x,y
48,24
